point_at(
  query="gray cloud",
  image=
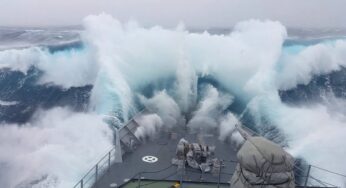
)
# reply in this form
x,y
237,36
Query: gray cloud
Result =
x,y
194,13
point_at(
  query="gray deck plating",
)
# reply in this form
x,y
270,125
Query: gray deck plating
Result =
x,y
163,147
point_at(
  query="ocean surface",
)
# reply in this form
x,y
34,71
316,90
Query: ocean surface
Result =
x,y
58,84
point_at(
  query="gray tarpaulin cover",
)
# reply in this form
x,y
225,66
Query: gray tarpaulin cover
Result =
x,y
263,163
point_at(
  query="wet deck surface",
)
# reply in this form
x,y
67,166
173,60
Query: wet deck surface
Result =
x,y
168,184
164,149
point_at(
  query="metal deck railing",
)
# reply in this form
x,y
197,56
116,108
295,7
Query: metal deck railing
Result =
x,y
104,164
97,170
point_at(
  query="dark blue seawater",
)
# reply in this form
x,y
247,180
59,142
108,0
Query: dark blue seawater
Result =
x,y
24,90
317,89
30,96
25,94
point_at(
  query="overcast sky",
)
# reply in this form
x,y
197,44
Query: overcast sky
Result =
x,y
194,13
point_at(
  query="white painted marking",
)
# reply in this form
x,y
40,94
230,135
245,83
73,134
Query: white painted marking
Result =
x,y
150,159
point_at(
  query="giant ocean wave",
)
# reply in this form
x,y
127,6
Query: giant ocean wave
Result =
x,y
53,99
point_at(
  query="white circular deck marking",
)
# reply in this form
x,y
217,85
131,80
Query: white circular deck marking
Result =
x,y
150,159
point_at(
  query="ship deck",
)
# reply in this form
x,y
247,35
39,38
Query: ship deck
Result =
x,y
164,147
124,166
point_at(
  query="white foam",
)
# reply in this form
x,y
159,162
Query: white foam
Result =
x,y
210,109
8,103
186,85
58,147
149,125
119,59
299,68
165,106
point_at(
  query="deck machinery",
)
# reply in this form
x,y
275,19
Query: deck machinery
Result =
x,y
181,157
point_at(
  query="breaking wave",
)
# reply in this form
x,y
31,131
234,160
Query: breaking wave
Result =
x,y
248,75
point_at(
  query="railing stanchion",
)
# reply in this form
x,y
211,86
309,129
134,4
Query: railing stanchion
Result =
x,y
96,173
218,181
81,183
109,160
182,174
307,176
139,179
